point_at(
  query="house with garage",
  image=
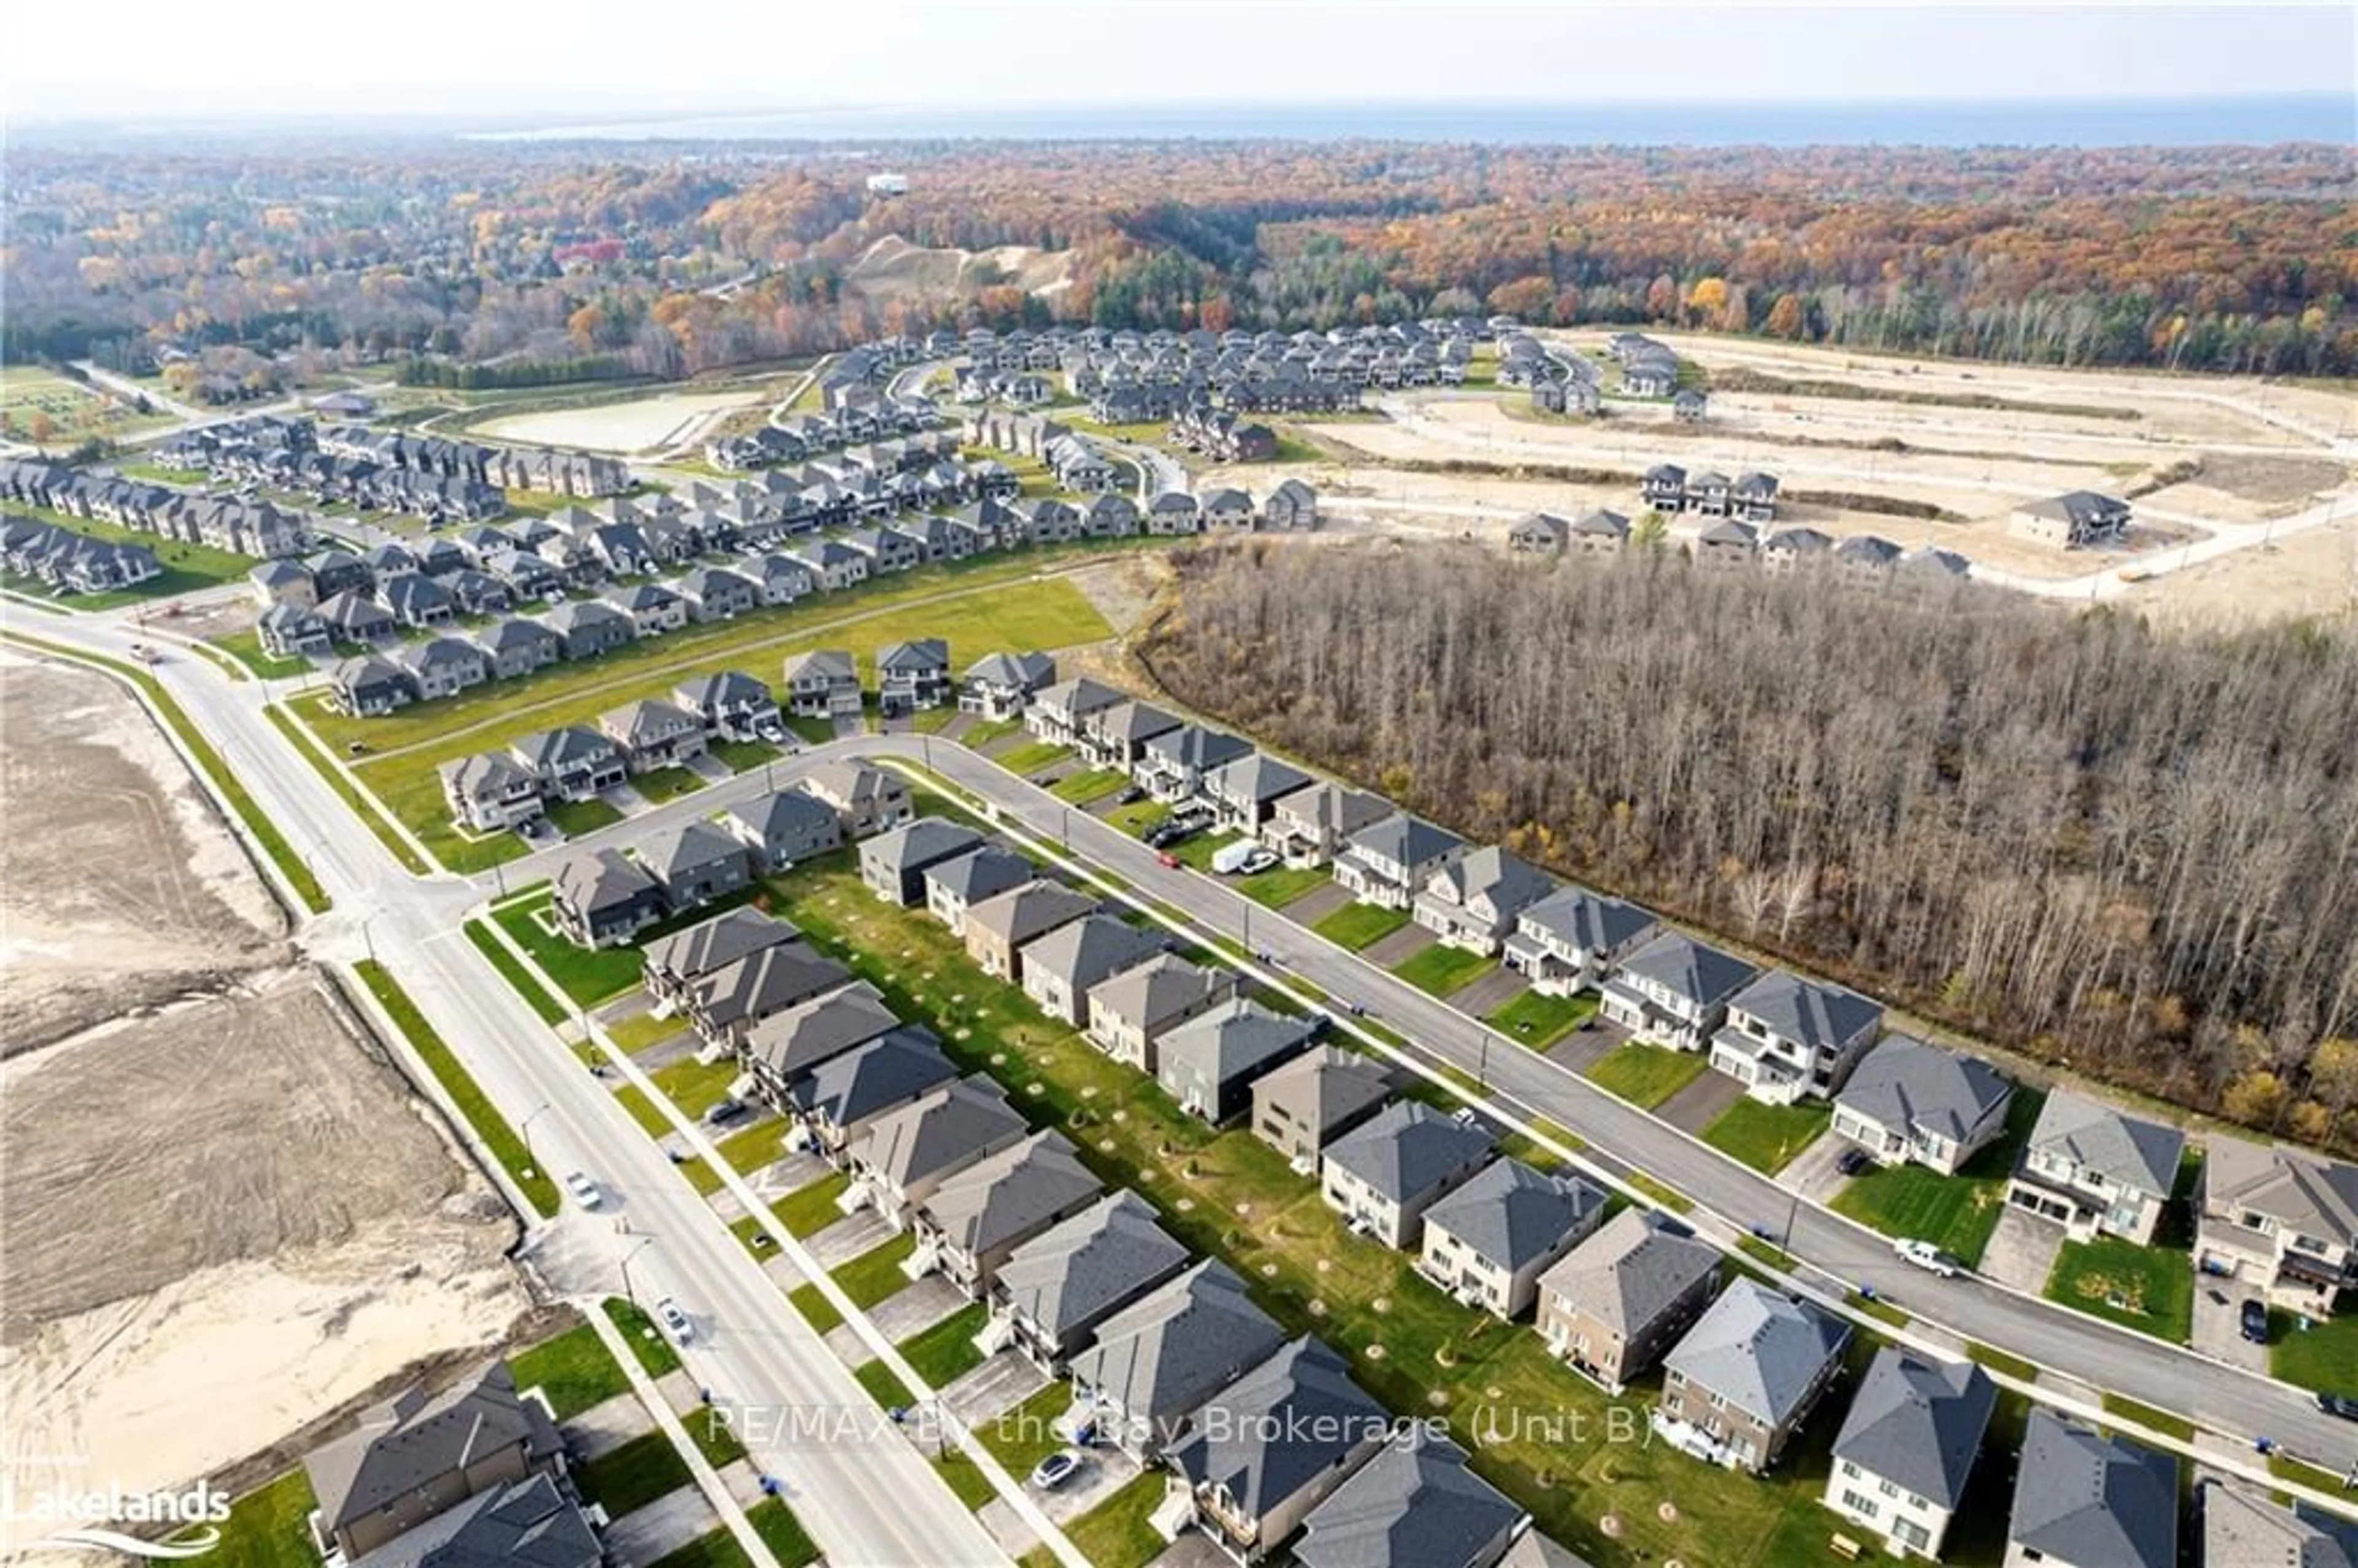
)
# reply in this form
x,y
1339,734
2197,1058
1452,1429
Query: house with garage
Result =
x,y
1271,1445
1244,793
1060,969
785,828
1414,1505
998,929
654,609
1058,713
1000,687
1488,1242
1540,533
1157,1359
479,593
1116,736
490,793
416,601
1908,1446
2282,1220
1174,512
1908,1102
1675,990
716,593
957,884
1304,1104
1306,827
2096,1171
586,628
442,667
730,1001
283,582
1129,1013
286,632
893,864
354,618
600,900
972,1221
1390,861
866,799
1471,900
1789,1039
695,863
833,565
1208,1063
844,1096
2076,520
912,675
1176,764
1570,940
2086,1500
1728,543
1382,1175
517,648
1619,1300
887,550
822,684
1741,1381
572,763
905,1156
369,687
781,580
729,703
782,1048
654,733
670,966
1293,505
1229,511
1053,1291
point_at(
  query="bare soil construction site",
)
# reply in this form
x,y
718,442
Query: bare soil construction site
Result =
x,y
223,1214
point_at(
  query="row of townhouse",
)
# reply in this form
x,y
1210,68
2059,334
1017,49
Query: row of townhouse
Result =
x,y
424,476
797,437
241,524
1750,497
1649,368
70,562
1863,557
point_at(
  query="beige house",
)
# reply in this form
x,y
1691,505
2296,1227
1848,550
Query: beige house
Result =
x,y
1136,1008
2096,1171
1309,1102
416,1457
997,927
1384,1175
1619,1299
2283,1220
866,799
1489,1242
1740,1382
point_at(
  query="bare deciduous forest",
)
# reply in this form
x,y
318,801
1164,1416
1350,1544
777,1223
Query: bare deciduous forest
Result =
x,y
2065,832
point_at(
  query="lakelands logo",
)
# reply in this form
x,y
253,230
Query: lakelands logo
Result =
x,y
79,1520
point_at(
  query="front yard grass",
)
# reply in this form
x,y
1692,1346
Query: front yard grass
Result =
x,y
1539,1021
713,1436
511,969
781,1532
1120,1532
884,1386
1443,970
1358,925
1955,1213
1023,1435
816,1310
635,1033
2323,1356
965,1480
268,1527
575,817
1093,784
575,1370
1767,1137
807,1211
656,1356
631,1477
1281,885
1646,1074
2149,1289
246,647
743,756
876,1274
696,1086
591,975
945,1352
660,785
1032,757
758,1145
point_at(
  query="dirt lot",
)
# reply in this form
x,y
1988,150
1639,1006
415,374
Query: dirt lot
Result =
x,y
892,269
2310,574
641,424
220,1215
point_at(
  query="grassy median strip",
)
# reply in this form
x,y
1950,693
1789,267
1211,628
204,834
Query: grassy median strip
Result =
x,y
265,832
490,1127
487,942
346,790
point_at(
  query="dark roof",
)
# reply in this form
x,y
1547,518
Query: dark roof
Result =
x,y
1281,1427
919,844
2079,1497
1005,1196
1510,1213
1761,1351
1627,1274
411,1441
715,944
793,1042
1808,1011
788,811
1906,1084
1073,1274
602,880
1692,969
1414,1505
1407,1149
528,1524
2128,1150
987,872
1164,1356
1404,839
1918,1423
889,1070
945,1129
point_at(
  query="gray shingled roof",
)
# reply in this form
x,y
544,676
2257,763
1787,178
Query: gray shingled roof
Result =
x,y
1136,721
833,664
1161,1357
793,1042
889,1070
988,872
2079,1498
761,983
1406,1149
1193,747
526,1524
1627,1274
1508,882
1758,1351
784,815
1080,696
1404,839
1807,1011
411,1440
1005,1195
1233,1040
1690,968
1340,1084
1071,1275
1904,1082
2240,1527
1918,1423
670,852
600,880
715,944
1021,913
1588,922
2301,1190
2128,1152
1257,776
1165,987
1088,949
945,1129
1510,1213
1414,1505
921,843
1279,1428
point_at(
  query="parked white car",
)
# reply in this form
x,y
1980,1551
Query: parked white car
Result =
x,y
675,1321
1928,1257
585,1191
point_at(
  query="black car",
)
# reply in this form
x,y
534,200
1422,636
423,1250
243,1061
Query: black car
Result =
x,y
2253,1320
724,1112
1851,1161
2341,1405
1130,796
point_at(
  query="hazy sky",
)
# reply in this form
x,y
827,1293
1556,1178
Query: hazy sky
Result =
x,y
610,60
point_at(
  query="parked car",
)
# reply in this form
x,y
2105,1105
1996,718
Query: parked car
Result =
x,y
2341,1405
1056,1469
2253,1321
773,732
1259,861
585,1191
1169,862
1129,796
1852,1161
1928,1257
674,1322
724,1112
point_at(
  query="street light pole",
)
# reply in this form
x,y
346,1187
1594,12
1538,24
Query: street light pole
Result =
x,y
523,1127
628,1293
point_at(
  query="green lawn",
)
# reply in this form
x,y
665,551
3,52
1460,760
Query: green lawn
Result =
x,y
2324,1356
187,567
1766,1137
1023,1435
587,975
1281,885
575,1370
1539,1020
744,756
575,817
1955,1213
697,1087
781,1532
2152,1420
716,1548
1034,757
945,1352
459,854
1442,969
267,1528
807,1211
2149,1289
643,1110
982,734
1197,852
635,1033
713,1436
965,1480
883,1387
1358,925
489,1126
246,647
655,1355
1138,817
1094,784
761,1145
659,784
816,1310
1117,1532
876,1274
511,971
814,730
932,720
1646,1074
631,1477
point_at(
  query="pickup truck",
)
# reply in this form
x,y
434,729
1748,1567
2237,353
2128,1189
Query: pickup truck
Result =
x,y
1928,1257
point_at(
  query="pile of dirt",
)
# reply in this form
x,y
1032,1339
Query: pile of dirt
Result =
x,y
892,269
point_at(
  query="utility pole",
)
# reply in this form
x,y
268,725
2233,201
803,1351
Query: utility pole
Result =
x,y
523,1127
628,1293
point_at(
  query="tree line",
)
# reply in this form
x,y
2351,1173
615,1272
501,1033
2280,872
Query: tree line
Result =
x,y
2132,852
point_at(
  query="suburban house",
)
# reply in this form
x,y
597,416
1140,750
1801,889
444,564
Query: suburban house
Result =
x,y
1060,969
694,864
1129,1013
654,734
2240,1525
1789,1039
1000,686
1414,1505
893,864
489,793
571,763
1570,939
601,900
1053,1291
1383,1175
416,1457
353,617
1728,543
534,1521
441,666
1177,762
2076,520
907,1153
1157,1359
2096,1171
286,632
1541,533
517,648
1619,1299
370,687
1116,736
1208,1064
715,593
415,601
1389,862
1272,1445
1305,1104
586,628
671,965
1307,826
734,704
1489,1242
1244,793
731,1000
974,1220
1058,713
783,1047
1472,901
283,582
866,799
957,884
2282,1219
911,676
785,828
1741,1381
1292,505
1675,989
652,608
1908,1445
822,683
842,1096
2083,1500
998,928
1910,1102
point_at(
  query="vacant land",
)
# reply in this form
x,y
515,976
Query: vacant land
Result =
x,y
641,425
46,408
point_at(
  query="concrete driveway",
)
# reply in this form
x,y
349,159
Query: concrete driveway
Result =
x,y
1489,992
2022,1251
1001,1383
917,1309
1583,1048
607,1426
1812,1173
847,1237
1391,952
663,1527
2218,1330
1318,904
1698,1105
